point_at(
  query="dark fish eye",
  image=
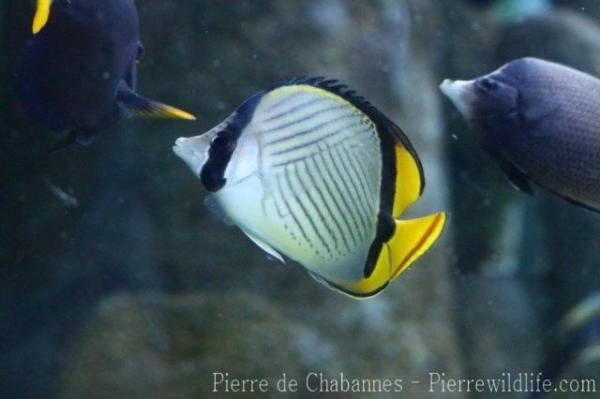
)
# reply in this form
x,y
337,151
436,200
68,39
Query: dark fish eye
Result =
x,y
487,84
221,141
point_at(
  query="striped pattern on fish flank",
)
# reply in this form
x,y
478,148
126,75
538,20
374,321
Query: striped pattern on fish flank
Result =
x,y
325,157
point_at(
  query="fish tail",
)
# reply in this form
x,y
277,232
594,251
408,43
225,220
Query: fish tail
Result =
x,y
143,107
412,239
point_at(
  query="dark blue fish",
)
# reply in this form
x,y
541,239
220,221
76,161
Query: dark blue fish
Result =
x,y
78,72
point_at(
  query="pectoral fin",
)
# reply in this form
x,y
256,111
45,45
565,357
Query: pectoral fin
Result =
x,y
264,246
140,106
410,240
513,173
42,14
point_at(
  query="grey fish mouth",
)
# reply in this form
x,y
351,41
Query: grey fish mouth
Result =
x,y
458,92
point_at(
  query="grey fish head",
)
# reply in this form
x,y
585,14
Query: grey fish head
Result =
x,y
488,96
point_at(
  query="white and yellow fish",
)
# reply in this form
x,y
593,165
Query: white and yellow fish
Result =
x,y
311,171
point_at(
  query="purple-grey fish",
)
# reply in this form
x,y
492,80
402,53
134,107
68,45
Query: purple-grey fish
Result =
x,y
540,121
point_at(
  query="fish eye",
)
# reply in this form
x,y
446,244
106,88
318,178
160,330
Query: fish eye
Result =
x,y
221,141
487,84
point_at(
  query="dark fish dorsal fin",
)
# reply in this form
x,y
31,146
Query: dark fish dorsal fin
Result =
x,y
383,123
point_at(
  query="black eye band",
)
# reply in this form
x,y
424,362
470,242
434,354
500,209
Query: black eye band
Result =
x,y
219,155
223,145
221,140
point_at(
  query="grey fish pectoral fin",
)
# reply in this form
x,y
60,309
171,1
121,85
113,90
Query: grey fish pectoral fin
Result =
x,y
137,105
517,177
513,173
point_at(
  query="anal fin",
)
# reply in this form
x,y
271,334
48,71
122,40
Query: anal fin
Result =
x,y
518,178
513,173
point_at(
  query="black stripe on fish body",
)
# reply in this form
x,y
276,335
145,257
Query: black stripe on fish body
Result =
x,y
346,229
290,211
294,108
327,206
386,225
304,117
303,207
321,138
361,201
305,131
340,184
223,145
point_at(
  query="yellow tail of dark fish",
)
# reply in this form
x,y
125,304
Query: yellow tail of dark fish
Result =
x,y
140,106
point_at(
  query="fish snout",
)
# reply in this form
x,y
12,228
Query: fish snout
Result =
x,y
461,93
193,151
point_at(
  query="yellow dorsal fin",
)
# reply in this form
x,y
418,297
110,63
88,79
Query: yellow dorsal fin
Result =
x,y
410,240
42,14
409,181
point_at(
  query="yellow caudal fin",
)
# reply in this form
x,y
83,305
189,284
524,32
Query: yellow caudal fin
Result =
x,y
42,13
409,180
412,238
